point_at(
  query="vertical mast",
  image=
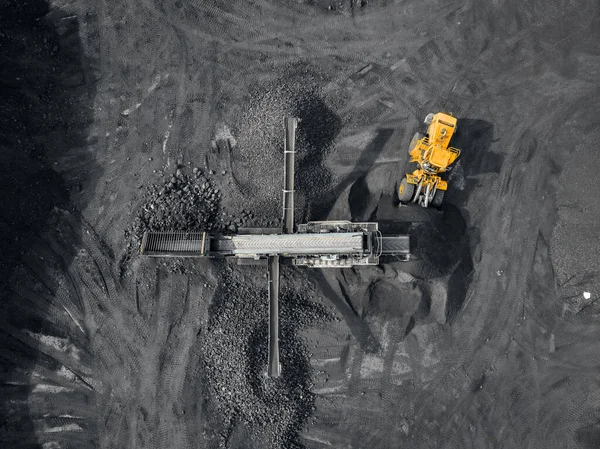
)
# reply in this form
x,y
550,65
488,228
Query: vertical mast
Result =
x,y
274,369
289,151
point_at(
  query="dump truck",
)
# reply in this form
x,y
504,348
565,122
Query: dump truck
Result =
x,y
433,156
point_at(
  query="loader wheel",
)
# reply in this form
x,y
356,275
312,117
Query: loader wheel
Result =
x,y
406,191
438,198
413,142
410,167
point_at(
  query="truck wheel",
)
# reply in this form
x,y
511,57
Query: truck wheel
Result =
x,y
438,198
413,142
406,191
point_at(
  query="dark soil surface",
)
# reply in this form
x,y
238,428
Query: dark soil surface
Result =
x,y
122,116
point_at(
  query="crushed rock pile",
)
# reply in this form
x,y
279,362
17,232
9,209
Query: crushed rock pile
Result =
x,y
235,362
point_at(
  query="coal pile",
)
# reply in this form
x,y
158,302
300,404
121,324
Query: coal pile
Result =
x,y
258,163
271,412
181,203
441,242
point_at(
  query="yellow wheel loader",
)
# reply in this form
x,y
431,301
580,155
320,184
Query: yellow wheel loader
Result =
x,y
433,155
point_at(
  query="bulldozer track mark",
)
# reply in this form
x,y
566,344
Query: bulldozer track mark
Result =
x,y
502,91
387,387
258,27
493,51
512,157
355,384
203,122
69,362
495,327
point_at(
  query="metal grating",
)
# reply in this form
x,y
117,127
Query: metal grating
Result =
x,y
395,245
175,244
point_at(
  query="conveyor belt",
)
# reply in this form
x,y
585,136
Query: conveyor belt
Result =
x,y
395,245
289,244
346,244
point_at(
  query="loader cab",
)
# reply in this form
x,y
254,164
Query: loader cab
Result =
x,y
441,128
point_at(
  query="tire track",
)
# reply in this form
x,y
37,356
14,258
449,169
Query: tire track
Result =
x,y
494,327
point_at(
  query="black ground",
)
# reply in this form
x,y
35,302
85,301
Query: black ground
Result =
x,y
121,116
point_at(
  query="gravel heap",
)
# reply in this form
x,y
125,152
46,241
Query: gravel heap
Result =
x,y
235,357
440,242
